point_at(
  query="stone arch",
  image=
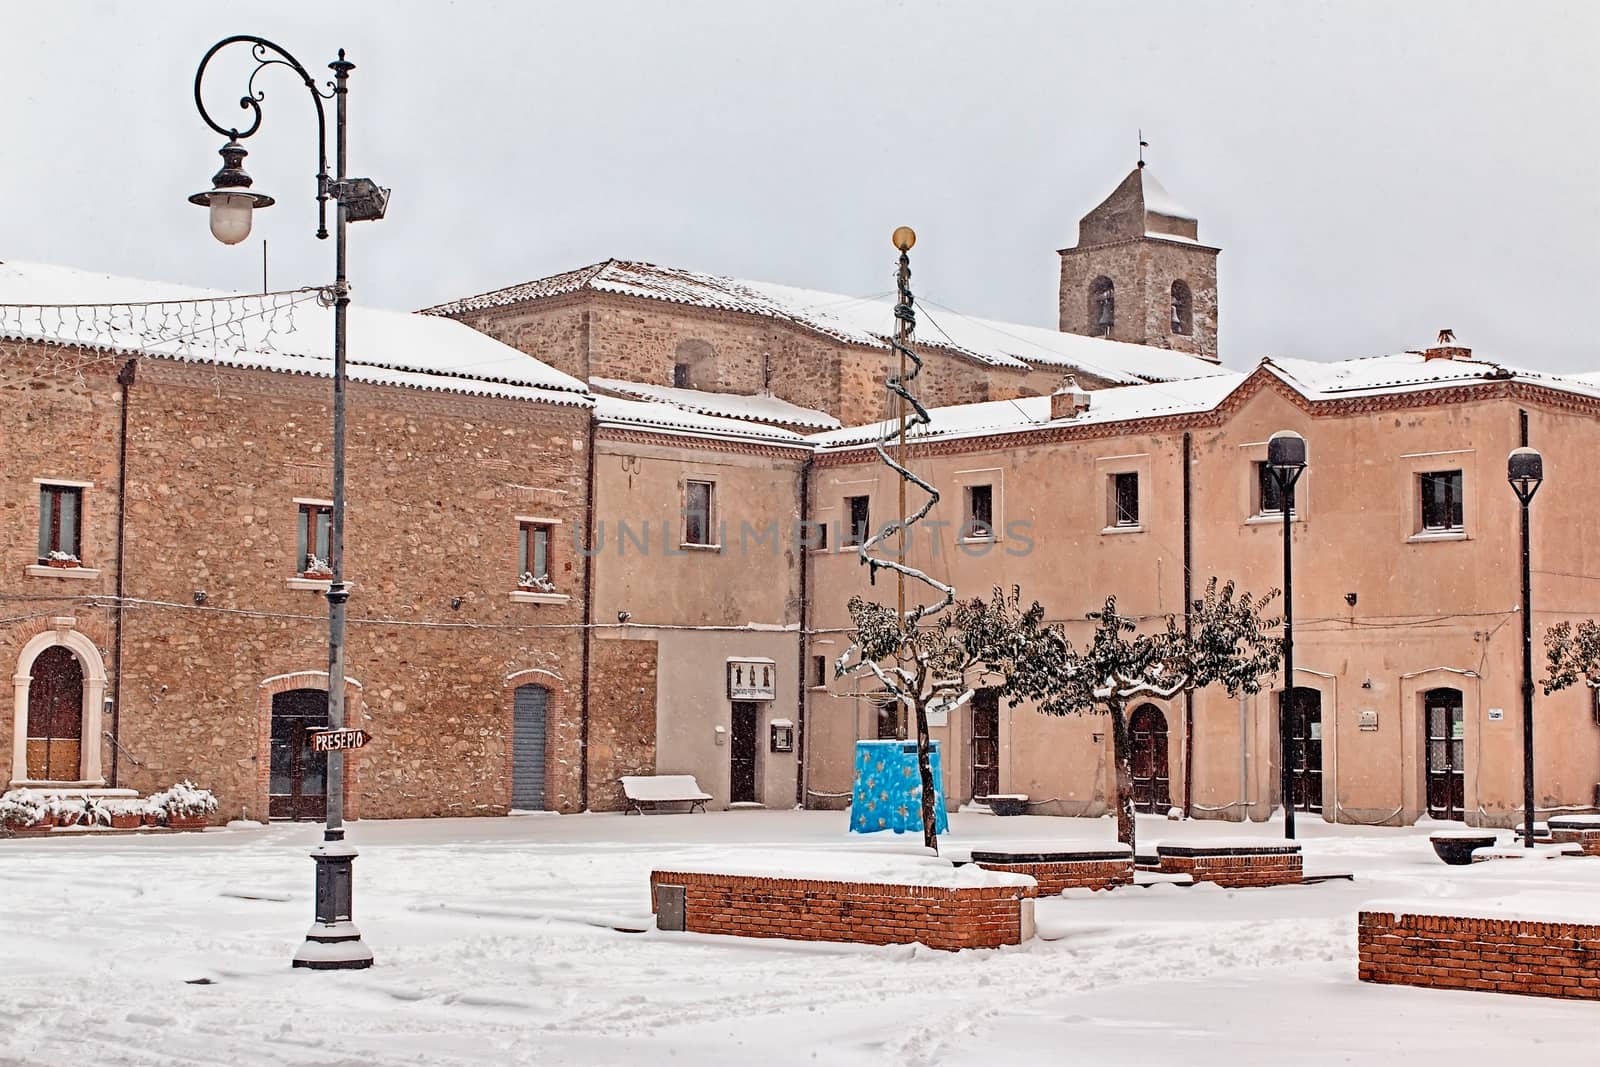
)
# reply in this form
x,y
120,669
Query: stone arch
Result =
x,y
64,634
555,688
355,714
694,365
1102,306
1182,308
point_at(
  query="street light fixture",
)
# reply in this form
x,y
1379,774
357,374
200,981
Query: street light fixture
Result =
x,y
1525,472
1286,461
333,942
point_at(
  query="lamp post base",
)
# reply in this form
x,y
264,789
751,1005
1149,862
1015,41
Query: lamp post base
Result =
x,y
333,942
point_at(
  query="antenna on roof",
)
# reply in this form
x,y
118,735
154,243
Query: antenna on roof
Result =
x,y
1143,144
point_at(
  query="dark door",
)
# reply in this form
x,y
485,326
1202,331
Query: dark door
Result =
x,y
298,786
55,716
742,772
985,743
527,747
1447,740
1151,783
1305,746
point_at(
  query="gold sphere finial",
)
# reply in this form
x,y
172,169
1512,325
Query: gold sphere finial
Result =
x,y
904,237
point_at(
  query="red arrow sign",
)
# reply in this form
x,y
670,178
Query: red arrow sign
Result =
x,y
343,740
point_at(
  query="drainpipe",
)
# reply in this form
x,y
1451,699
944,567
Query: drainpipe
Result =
x,y
800,681
125,380
588,624
1188,622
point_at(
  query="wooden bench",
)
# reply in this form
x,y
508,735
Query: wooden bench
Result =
x,y
657,789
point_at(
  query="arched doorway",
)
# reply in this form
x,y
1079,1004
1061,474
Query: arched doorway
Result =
x,y
1152,785
1446,724
1305,747
530,713
55,716
297,787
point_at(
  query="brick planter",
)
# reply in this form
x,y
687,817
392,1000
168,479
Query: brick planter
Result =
x,y
1583,830
1234,866
1059,871
814,909
1497,955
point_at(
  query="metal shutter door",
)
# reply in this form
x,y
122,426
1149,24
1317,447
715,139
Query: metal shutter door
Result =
x,y
527,748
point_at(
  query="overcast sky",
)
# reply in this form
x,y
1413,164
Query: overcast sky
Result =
x,y
1372,171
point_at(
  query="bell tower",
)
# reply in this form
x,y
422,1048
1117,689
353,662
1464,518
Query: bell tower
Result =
x,y
1139,272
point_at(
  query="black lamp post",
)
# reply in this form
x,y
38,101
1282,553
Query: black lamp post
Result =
x,y
1525,472
333,942
1286,461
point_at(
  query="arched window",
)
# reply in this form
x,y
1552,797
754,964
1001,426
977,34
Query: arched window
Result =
x,y
1102,305
694,365
1182,308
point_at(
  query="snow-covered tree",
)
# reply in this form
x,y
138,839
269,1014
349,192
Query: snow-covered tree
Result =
x,y
1229,644
1573,653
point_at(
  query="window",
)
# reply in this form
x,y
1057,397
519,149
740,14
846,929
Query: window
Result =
x,y
1102,305
60,522
1441,501
1269,501
1182,308
1124,509
316,531
859,508
819,672
680,375
979,520
697,513
533,555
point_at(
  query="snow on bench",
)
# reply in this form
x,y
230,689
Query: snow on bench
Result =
x,y
658,789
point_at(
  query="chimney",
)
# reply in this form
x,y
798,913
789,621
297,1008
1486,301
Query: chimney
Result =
x,y
1446,348
1069,400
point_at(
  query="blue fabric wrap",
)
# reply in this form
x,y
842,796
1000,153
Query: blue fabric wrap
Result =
x,y
888,789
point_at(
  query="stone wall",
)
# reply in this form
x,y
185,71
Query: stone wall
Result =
x,y
1143,270
622,717
1544,959
805,909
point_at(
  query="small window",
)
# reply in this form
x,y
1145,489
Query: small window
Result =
x,y
316,532
1442,501
60,523
533,556
979,521
860,511
1182,308
1269,501
1124,510
819,671
680,375
697,513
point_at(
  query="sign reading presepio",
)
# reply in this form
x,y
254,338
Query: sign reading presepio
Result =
x,y
752,679
338,740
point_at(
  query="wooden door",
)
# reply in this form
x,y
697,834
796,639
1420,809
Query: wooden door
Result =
x,y
55,717
298,782
1446,773
985,743
1151,778
530,706
742,757
1305,741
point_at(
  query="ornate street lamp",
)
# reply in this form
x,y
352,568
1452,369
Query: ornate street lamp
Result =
x,y
1525,472
1286,461
333,942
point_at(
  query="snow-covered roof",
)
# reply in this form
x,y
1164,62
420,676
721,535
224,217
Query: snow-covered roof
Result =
x,y
759,408
287,332
1161,202
656,416
858,320
1409,371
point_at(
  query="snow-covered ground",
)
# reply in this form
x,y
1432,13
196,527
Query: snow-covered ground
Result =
x,y
495,945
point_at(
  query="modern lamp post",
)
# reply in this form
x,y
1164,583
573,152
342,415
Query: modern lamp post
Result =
x,y
333,942
1525,472
1286,461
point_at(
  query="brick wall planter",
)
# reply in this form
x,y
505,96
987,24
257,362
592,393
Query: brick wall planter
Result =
x,y
1234,866
815,909
1583,830
1497,955
1059,871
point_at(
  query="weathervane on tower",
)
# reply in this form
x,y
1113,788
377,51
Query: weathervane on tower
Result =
x,y
1143,144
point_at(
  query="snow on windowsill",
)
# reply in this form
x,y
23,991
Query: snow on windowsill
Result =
x,y
686,547
1274,518
1123,530
1437,535
41,571
321,585
531,596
